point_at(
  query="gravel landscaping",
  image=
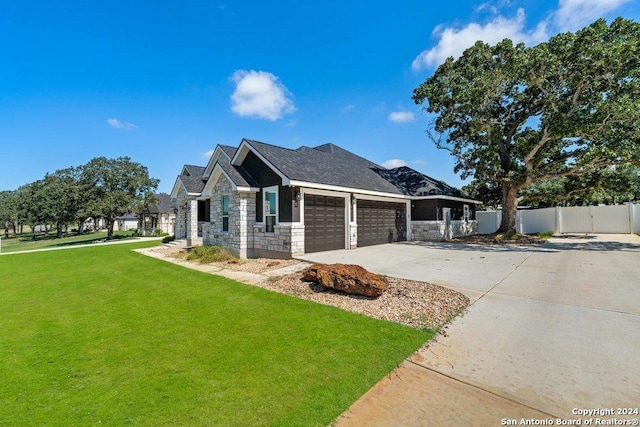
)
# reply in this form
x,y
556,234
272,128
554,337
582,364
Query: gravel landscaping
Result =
x,y
416,304
413,303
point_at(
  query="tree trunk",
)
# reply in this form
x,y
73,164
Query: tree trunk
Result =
x,y
110,223
509,209
58,230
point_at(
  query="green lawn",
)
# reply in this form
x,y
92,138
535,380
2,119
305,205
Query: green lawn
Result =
x,y
106,335
25,242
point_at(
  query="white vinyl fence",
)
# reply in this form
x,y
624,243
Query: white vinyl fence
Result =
x,y
574,219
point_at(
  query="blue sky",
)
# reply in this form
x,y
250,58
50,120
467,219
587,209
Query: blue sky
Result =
x,y
165,82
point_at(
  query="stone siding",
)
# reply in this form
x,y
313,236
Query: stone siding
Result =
x,y
353,235
436,230
181,217
193,237
212,232
286,241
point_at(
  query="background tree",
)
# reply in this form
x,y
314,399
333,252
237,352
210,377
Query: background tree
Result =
x,y
113,187
32,206
8,211
513,115
604,186
61,197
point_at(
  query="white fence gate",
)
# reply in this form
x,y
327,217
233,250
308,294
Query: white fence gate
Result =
x,y
574,219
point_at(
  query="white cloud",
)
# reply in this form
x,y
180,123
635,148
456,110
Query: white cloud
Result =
x,y
575,14
208,154
454,41
115,123
570,15
259,94
401,116
348,108
394,163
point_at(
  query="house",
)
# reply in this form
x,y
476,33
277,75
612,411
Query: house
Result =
x,y
126,222
261,200
158,215
163,213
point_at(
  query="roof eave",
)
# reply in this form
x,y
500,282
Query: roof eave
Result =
x,y
319,186
442,196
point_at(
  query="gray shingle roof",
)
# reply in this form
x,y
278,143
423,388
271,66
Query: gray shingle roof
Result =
x,y
229,151
413,183
326,164
192,184
194,171
239,176
164,203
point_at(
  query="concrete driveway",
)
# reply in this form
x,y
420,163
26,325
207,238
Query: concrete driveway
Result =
x,y
552,330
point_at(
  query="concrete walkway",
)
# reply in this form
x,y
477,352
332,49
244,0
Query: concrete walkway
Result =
x,y
551,330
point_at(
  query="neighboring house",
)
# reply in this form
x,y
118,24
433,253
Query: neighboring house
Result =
x,y
261,200
165,213
128,221
160,215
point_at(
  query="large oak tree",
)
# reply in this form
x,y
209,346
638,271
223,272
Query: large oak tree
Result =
x,y
113,187
514,115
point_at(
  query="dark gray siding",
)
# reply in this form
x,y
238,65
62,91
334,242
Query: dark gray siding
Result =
x,y
431,209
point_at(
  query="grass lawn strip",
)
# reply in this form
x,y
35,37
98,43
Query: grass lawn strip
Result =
x,y
25,242
107,335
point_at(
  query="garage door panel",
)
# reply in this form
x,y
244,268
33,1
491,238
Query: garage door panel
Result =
x,y
380,222
324,220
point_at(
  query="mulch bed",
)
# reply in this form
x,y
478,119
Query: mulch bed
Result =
x,y
500,239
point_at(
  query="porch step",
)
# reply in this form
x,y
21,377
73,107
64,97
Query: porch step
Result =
x,y
180,243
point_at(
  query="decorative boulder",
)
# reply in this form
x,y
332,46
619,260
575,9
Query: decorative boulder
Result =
x,y
348,278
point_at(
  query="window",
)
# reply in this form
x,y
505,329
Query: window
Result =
x,y
465,212
270,208
225,213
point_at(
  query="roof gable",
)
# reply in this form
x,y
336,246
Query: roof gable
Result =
x,y
221,151
193,171
239,179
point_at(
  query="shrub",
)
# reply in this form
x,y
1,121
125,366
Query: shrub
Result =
x,y
545,234
158,233
168,239
209,254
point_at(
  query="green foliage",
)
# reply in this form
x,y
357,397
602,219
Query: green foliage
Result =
x,y
8,211
103,188
168,239
158,233
607,186
513,115
209,254
114,187
121,338
545,234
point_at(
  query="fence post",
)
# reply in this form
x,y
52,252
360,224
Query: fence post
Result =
x,y
558,220
632,219
519,227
